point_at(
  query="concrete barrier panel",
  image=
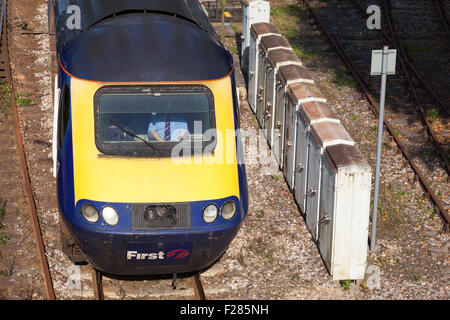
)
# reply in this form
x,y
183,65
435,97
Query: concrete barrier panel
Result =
x,y
308,113
268,44
299,92
323,135
344,212
257,32
253,11
273,121
295,74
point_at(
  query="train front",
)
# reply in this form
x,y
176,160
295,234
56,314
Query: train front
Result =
x,y
150,177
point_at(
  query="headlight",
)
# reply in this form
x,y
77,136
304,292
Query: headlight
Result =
x,y
89,213
210,213
110,216
228,210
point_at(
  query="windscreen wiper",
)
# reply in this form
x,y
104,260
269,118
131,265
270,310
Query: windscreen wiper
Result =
x,y
134,136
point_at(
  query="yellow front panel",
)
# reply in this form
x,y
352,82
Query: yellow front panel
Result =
x,y
124,179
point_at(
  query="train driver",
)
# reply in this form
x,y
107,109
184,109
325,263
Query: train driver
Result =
x,y
168,127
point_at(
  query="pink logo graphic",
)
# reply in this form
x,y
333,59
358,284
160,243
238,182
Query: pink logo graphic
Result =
x,y
178,253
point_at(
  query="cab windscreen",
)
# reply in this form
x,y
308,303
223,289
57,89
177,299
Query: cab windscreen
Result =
x,y
152,120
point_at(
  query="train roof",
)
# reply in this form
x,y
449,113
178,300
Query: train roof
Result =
x,y
93,11
141,40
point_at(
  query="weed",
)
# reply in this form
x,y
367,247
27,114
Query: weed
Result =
x,y
286,12
5,97
433,115
2,208
391,207
3,237
276,177
241,260
305,54
346,284
349,48
286,18
24,100
343,78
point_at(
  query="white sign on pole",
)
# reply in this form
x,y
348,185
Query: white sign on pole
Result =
x,y
377,62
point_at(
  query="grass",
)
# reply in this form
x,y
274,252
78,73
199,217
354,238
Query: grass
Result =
x,y
305,54
346,284
3,237
342,78
262,249
5,97
391,208
276,177
433,115
285,18
23,100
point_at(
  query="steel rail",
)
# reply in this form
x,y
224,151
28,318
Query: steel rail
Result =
x,y
397,42
23,164
97,279
443,16
375,109
198,287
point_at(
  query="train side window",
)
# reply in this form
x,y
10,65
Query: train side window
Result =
x,y
63,115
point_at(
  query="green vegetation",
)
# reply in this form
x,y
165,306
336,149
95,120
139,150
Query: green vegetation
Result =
x,y
3,237
342,78
286,18
276,177
305,54
346,284
433,115
24,100
354,118
391,210
5,97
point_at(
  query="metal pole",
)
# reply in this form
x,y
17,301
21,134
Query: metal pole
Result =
x,y
223,4
379,144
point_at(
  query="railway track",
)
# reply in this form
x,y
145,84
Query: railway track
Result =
x,y
22,158
416,114
196,283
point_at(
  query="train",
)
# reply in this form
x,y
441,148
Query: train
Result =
x,y
149,179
